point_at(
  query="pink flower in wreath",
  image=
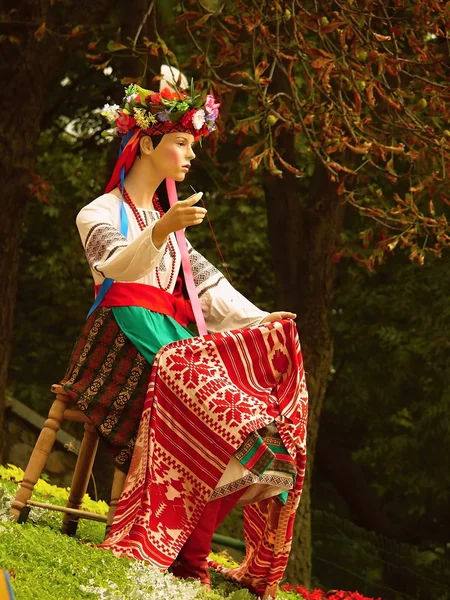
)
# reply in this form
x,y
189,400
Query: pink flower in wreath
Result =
x,y
211,105
125,122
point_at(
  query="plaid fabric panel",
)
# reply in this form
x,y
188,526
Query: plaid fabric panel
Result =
x,y
107,377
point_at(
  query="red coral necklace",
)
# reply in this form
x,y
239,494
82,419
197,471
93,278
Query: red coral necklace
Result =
x,y
142,226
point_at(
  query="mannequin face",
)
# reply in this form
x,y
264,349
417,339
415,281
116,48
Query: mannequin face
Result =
x,y
172,156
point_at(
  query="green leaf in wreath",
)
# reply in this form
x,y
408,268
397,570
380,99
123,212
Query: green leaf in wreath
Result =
x,y
176,115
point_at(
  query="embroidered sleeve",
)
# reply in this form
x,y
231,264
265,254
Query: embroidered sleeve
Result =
x,y
206,276
111,254
102,241
224,308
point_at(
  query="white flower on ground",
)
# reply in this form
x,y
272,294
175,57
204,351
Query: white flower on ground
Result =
x,y
145,582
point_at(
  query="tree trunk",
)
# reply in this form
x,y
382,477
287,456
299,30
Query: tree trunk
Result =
x,y
303,233
21,109
13,208
30,65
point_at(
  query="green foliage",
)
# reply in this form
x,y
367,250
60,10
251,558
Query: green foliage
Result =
x,y
55,286
225,560
46,565
391,381
354,558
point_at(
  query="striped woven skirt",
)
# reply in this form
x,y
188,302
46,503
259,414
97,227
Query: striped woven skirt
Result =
x,y
200,417
108,377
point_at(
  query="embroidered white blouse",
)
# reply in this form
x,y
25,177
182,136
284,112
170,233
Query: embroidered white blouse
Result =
x,y
135,259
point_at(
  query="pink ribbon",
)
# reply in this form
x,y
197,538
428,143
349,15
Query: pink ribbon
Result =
x,y
186,264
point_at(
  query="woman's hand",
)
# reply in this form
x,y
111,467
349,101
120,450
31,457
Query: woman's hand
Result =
x,y
182,214
277,316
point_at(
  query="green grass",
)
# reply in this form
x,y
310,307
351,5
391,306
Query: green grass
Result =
x,y
44,564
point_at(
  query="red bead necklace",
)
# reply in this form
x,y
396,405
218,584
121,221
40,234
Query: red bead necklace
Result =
x,y
141,223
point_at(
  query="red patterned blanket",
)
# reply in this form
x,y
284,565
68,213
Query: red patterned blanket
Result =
x,y
206,394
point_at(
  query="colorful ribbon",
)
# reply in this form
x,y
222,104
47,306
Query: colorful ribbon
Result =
x,y
127,154
186,264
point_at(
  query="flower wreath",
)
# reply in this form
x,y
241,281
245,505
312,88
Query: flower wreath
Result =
x,y
164,112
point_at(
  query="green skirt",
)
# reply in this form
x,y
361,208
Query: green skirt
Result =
x,y
149,331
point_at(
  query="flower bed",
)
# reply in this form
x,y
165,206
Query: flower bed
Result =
x,y
302,592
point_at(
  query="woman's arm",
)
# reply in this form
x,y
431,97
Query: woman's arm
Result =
x,y
108,252
223,307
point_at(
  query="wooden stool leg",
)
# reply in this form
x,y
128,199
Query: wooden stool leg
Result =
x,y
40,453
117,487
83,469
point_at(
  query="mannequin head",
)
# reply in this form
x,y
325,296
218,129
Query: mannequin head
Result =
x,y
162,157
178,114
168,156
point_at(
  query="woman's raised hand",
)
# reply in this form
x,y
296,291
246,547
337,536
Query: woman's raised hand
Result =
x,y
277,316
182,214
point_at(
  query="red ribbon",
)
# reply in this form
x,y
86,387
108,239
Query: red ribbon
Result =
x,y
126,159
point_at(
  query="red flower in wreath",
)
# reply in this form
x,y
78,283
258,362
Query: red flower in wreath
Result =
x,y
125,122
153,99
203,131
167,94
186,120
